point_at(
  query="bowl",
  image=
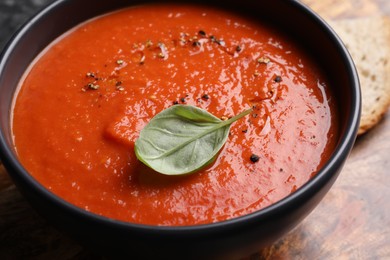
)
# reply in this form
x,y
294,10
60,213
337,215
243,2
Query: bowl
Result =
x,y
229,239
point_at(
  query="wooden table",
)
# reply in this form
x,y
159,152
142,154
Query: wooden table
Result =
x,y
352,222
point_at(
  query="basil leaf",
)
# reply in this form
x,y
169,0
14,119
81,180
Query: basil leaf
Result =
x,y
182,139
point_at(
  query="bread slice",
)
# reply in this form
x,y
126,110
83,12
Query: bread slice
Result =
x,y
368,41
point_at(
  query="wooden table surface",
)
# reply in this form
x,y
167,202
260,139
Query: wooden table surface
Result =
x,y
352,222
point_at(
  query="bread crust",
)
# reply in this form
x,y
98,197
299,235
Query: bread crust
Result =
x,y
368,41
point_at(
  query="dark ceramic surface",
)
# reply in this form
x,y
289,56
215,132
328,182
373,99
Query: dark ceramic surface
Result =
x,y
238,237
13,13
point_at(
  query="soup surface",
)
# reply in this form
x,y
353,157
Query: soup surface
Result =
x,y
85,99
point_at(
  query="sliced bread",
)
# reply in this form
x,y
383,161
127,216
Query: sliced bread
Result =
x,y
368,41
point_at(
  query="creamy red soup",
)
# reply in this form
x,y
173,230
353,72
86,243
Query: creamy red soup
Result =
x,y
85,99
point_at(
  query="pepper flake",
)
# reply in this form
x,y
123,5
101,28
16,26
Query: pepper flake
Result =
x,y
254,158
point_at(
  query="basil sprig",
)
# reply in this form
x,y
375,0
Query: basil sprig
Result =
x,y
182,139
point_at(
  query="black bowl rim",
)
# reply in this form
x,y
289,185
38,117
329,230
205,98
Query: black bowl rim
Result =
x,y
340,153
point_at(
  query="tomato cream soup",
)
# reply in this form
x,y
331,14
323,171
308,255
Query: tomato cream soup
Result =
x,y
85,99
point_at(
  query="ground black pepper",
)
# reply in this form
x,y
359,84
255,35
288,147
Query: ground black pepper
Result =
x,y
93,86
196,44
254,158
91,75
278,79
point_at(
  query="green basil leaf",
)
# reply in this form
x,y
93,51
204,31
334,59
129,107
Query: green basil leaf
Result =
x,y
182,139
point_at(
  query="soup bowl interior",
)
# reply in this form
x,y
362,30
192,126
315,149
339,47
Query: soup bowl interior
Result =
x,y
233,238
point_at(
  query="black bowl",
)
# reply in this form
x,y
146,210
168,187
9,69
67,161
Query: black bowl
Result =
x,y
229,239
